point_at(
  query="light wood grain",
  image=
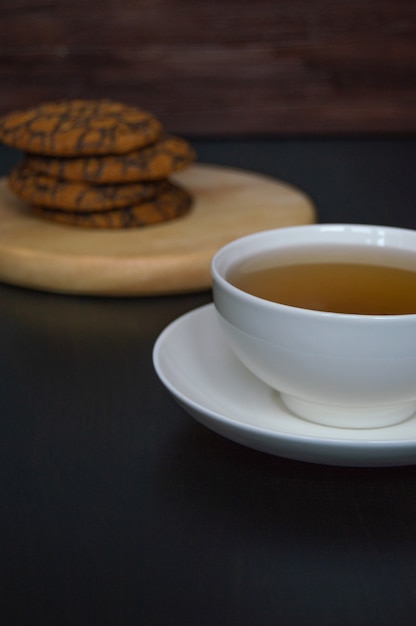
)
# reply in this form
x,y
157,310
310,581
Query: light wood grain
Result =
x,y
169,258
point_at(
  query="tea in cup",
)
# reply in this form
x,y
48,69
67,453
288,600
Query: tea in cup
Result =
x,y
326,316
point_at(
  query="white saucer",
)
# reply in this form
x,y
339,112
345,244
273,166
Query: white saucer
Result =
x,y
206,379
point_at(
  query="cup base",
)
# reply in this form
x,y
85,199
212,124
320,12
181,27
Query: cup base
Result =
x,y
349,417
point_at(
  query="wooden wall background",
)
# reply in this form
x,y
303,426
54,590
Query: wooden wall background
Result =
x,y
220,67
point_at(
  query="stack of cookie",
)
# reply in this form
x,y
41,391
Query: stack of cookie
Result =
x,y
99,164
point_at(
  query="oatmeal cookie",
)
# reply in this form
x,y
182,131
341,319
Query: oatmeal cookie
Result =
x,y
167,156
76,196
79,127
170,203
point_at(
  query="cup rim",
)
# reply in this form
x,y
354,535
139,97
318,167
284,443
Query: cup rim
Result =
x,y
218,277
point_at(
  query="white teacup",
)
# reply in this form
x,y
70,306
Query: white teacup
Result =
x,y
339,369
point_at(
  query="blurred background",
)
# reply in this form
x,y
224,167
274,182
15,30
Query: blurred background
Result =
x,y
221,68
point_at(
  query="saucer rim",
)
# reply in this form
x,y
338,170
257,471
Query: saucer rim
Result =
x,y
323,441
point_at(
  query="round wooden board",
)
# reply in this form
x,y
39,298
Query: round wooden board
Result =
x,y
168,258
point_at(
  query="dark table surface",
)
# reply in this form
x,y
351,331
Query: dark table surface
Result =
x,y
118,508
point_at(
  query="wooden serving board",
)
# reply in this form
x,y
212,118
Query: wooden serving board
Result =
x,y
168,258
